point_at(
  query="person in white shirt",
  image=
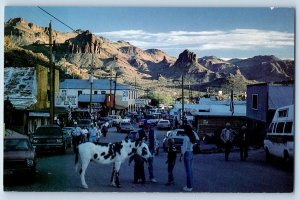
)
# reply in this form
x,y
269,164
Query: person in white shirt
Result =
x,y
76,137
94,134
187,153
227,138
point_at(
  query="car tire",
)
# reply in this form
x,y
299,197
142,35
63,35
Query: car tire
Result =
x,y
63,149
268,155
32,176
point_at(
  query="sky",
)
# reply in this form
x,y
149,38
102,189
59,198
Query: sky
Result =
x,y
222,32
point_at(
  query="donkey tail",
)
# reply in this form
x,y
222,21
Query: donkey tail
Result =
x,y
76,158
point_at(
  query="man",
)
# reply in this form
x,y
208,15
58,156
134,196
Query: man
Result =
x,y
76,137
243,141
142,136
152,143
227,138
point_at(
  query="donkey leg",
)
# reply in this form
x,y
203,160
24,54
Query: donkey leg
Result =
x,y
84,166
112,178
117,166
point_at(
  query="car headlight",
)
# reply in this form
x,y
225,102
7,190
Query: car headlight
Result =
x,y
34,141
59,140
30,163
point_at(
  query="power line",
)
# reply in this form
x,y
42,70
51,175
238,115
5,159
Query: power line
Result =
x,y
57,19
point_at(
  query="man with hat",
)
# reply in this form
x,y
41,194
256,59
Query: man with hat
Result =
x,y
227,138
76,136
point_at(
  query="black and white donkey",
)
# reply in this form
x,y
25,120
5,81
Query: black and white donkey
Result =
x,y
115,153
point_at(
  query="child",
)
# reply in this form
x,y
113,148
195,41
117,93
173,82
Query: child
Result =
x,y
139,173
171,160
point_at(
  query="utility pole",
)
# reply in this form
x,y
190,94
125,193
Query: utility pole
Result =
x,y
182,98
115,90
52,76
110,80
91,82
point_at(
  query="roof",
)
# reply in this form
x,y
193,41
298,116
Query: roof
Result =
x,y
280,96
209,107
10,134
20,86
96,98
98,84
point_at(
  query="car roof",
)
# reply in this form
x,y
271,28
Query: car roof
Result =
x,y
9,134
49,126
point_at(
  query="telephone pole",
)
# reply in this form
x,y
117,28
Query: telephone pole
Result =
x,y
182,98
52,76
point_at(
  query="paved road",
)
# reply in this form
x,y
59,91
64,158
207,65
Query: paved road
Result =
x,y
211,174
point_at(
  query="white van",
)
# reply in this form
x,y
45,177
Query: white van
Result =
x,y
279,141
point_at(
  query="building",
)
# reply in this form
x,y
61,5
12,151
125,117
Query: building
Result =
x,y
75,93
262,102
212,115
27,89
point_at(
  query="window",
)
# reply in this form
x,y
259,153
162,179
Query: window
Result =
x,y
270,130
103,92
64,92
79,92
254,101
279,127
283,113
288,127
95,92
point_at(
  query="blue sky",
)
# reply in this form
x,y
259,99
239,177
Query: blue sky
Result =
x,y
222,32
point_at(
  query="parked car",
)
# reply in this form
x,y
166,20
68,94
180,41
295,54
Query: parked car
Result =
x,y
177,135
163,124
49,137
67,131
84,123
125,127
116,119
19,156
279,141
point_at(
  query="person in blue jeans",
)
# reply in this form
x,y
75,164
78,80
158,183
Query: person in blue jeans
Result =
x,y
151,145
187,154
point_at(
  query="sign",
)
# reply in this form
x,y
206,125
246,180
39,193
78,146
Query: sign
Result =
x,y
140,102
66,100
125,95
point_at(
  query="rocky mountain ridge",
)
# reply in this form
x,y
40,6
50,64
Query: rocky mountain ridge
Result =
x,y
82,52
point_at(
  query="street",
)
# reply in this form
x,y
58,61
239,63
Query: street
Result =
x,y
211,174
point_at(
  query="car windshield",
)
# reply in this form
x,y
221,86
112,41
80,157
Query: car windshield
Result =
x,y
48,131
125,124
84,121
16,145
163,122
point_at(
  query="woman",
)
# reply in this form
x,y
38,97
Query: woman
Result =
x,y
187,153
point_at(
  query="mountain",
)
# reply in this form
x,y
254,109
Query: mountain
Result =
x,y
80,52
267,68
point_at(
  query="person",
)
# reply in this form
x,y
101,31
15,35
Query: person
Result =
x,y
142,136
139,172
151,145
76,137
132,136
85,135
187,153
104,129
171,160
93,133
243,142
227,138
